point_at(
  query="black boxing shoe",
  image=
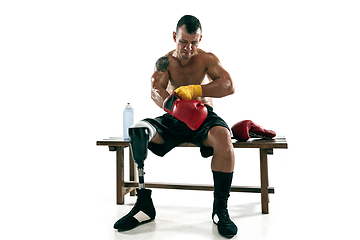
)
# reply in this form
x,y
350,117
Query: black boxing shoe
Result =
x,y
221,217
142,212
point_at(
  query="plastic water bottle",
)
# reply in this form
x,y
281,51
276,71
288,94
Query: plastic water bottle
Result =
x,y
128,120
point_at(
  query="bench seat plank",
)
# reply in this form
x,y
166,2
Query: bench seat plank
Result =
x,y
277,142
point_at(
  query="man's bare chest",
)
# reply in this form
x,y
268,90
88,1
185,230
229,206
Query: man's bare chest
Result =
x,y
187,75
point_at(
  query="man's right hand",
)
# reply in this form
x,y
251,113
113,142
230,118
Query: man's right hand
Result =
x,y
191,112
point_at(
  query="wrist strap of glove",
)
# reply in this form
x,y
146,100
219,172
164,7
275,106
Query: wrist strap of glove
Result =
x,y
169,102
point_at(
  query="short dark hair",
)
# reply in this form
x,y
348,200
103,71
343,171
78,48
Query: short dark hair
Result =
x,y
192,24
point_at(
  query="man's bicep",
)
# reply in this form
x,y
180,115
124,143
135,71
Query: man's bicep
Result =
x,y
215,70
159,83
160,80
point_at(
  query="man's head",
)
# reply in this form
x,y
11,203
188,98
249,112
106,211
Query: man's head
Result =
x,y
187,36
192,24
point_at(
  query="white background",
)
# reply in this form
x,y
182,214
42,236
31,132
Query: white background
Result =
x,y
68,68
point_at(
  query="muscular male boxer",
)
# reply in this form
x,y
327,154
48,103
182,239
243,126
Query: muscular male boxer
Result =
x,y
183,84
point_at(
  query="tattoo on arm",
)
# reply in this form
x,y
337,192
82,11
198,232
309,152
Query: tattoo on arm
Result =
x,y
162,64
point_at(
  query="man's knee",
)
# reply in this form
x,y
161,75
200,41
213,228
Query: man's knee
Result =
x,y
220,139
218,136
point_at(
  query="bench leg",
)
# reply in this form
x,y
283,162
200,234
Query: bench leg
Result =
x,y
132,170
120,191
264,181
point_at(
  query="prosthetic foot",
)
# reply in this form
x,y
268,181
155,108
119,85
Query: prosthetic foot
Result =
x,y
142,212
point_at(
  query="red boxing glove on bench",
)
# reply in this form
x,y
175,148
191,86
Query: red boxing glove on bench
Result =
x,y
191,112
246,129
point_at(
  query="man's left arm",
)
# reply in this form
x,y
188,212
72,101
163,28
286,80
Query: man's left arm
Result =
x,y
220,86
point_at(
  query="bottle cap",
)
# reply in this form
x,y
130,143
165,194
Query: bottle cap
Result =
x,y
128,105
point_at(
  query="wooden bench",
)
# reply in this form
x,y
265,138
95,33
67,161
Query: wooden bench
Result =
x,y
265,146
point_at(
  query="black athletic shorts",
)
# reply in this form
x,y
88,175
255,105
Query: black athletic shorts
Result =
x,y
175,132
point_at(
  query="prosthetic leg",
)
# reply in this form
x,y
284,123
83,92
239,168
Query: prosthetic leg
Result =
x,y
140,134
143,211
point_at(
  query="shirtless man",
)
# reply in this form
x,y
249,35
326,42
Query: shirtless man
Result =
x,y
192,74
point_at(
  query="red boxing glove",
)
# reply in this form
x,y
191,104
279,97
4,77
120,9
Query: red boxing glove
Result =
x,y
191,112
246,129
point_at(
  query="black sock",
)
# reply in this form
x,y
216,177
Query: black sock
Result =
x,y
222,181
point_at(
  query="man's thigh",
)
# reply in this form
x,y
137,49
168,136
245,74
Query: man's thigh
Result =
x,y
158,139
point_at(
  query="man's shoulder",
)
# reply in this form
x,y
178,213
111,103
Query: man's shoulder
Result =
x,y
162,64
166,57
208,57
